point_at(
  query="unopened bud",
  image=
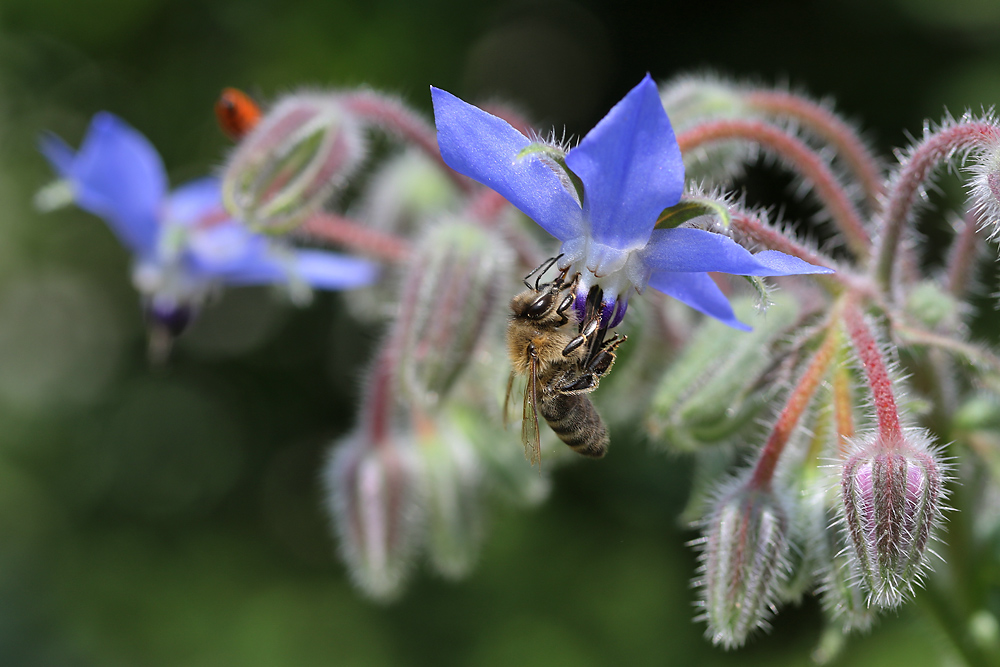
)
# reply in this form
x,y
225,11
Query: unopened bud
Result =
x,y
744,561
892,496
451,291
373,494
984,187
691,100
453,502
714,388
292,161
404,192
844,600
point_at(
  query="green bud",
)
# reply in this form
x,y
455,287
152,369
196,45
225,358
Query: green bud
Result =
x,y
712,390
932,306
451,293
744,554
691,100
453,500
292,162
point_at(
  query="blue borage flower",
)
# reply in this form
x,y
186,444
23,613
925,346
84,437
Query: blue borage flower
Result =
x,y
184,244
602,199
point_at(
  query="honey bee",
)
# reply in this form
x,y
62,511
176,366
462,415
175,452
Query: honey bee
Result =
x,y
562,361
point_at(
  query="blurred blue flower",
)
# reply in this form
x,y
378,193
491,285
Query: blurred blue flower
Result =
x,y
602,199
183,242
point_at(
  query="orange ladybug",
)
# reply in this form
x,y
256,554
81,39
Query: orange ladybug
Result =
x,y
237,113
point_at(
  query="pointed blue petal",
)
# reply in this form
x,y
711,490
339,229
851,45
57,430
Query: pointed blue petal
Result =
x,y
485,148
119,176
235,256
700,292
327,270
695,250
631,169
58,153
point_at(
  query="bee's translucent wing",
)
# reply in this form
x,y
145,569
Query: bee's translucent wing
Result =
x,y
529,423
506,399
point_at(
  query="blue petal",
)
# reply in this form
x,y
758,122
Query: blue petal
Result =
x,y
631,169
700,292
119,176
695,250
485,148
327,270
58,153
230,253
192,202
226,248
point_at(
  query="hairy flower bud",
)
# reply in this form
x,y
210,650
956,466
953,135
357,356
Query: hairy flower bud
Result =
x,y
711,390
744,561
404,191
454,498
690,100
451,291
292,161
892,496
373,494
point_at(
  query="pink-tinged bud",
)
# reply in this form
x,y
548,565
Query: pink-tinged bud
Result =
x,y
744,561
292,162
892,494
452,291
373,494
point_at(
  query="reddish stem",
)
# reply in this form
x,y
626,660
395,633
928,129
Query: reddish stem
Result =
x,y
962,258
843,406
802,159
380,397
909,180
393,116
755,229
830,127
877,373
798,401
344,231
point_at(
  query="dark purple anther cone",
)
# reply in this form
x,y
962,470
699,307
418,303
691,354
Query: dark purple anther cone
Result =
x,y
612,312
174,319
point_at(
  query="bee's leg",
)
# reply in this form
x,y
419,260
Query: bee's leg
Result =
x,y
577,384
591,323
602,361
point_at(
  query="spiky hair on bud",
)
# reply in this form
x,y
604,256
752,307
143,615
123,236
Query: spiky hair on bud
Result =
x,y
744,552
984,171
892,507
305,148
374,497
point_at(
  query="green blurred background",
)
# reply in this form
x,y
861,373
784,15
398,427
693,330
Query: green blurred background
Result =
x,y
171,516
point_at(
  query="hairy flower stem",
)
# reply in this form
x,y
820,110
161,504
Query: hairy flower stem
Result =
x,y
962,258
843,405
352,234
803,161
908,183
830,127
889,429
798,401
754,229
391,115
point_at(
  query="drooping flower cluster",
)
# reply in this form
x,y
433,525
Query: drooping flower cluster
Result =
x,y
184,244
847,485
